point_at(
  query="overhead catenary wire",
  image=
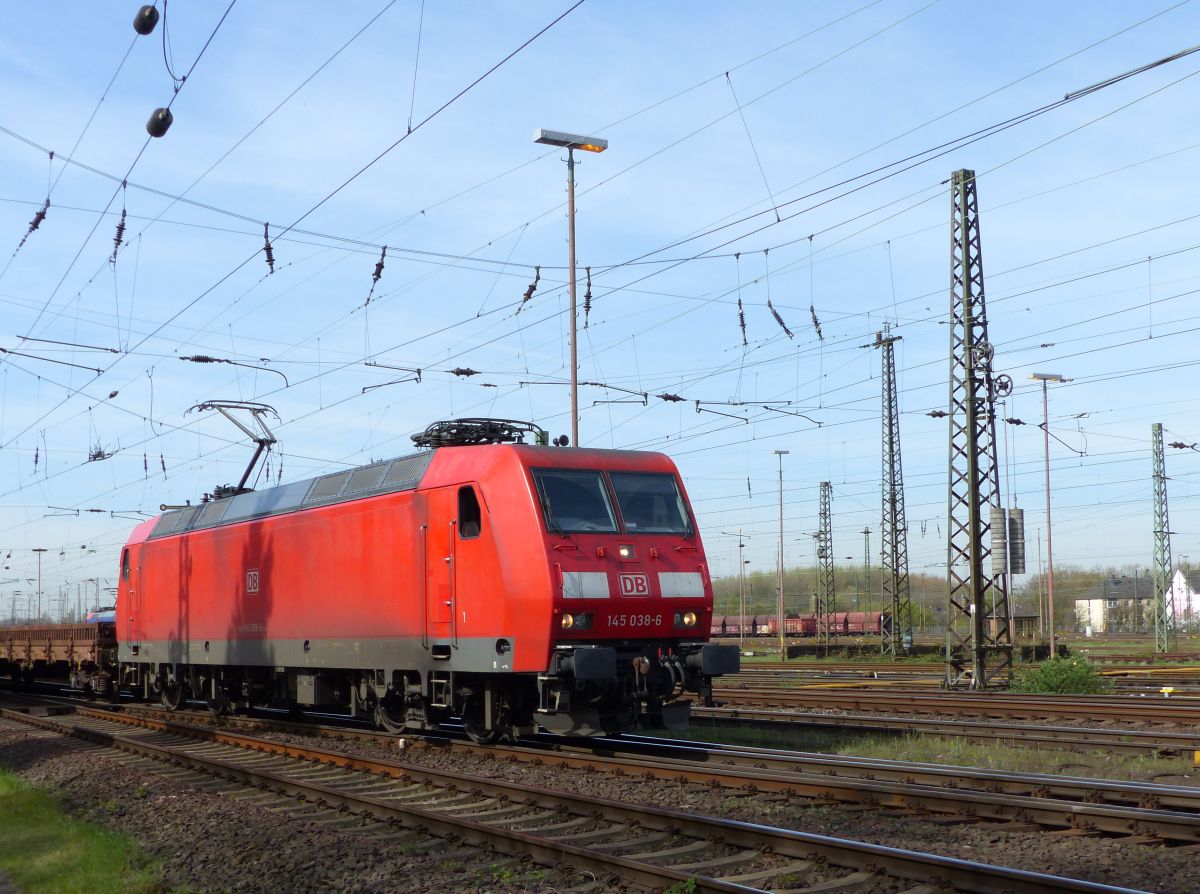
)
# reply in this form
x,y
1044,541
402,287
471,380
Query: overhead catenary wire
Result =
x,y
462,92
125,178
822,313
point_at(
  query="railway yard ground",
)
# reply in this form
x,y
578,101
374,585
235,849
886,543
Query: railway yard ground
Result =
x,y
1103,790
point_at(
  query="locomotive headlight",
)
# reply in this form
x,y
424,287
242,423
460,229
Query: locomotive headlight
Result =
x,y
689,619
625,552
580,621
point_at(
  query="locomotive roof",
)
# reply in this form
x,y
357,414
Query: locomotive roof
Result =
x,y
388,476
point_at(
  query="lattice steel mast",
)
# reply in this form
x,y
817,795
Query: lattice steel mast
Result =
x,y
826,595
893,529
1164,598
975,654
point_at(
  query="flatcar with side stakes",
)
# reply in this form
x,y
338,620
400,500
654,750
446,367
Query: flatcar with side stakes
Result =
x,y
510,584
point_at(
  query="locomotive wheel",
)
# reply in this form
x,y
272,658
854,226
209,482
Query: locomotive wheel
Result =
x,y
389,720
218,705
109,690
172,696
475,724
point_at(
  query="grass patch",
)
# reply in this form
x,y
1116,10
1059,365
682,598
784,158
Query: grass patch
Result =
x,y
46,851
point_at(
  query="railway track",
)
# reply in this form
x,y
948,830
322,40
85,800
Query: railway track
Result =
x,y
1151,710
1154,813
643,846
1070,738
1181,680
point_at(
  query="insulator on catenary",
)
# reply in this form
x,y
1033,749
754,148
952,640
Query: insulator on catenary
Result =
x,y
36,456
145,466
162,462
145,20
673,398
463,371
35,223
118,239
267,248
742,323
816,323
537,278
160,122
587,298
779,319
377,275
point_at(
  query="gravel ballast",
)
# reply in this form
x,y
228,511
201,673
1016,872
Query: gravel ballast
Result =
x,y
215,843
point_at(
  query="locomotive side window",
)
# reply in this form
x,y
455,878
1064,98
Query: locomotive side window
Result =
x,y
650,503
574,500
470,516
125,564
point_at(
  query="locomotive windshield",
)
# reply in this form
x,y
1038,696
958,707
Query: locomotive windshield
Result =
x,y
650,503
575,500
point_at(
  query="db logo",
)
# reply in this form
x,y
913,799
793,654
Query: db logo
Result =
x,y
634,584
252,580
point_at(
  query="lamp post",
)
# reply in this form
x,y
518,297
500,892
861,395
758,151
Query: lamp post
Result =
x,y
742,563
39,550
571,142
1045,379
782,647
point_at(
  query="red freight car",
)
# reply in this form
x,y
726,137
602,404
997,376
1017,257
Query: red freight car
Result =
x,y
863,622
506,583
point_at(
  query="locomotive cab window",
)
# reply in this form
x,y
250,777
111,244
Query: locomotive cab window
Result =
x,y
125,564
470,515
574,500
650,503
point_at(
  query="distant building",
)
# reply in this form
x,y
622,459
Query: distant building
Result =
x,y
1185,593
1117,604
1125,604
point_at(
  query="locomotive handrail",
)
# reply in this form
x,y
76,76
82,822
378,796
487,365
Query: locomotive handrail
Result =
x,y
424,586
453,601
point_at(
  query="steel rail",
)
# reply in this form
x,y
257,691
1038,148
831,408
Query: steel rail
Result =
x,y
1157,709
1161,812
1076,738
868,859
1145,795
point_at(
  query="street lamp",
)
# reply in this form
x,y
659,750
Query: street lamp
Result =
x,y
1045,379
782,648
742,563
571,142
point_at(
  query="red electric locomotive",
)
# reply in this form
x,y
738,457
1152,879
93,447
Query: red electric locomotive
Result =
x,y
506,583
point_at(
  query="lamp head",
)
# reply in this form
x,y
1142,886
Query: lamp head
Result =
x,y
569,140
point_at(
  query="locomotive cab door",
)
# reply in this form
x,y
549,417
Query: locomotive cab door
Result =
x,y
131,582
439,532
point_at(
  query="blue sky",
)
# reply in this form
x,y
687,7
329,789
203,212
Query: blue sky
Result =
x,y
1088,215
